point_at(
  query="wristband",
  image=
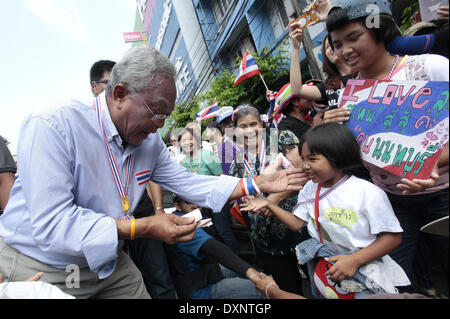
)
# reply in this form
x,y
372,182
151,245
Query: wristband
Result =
x,y
133,229
250,188
267,288
243,188
159,208
258,191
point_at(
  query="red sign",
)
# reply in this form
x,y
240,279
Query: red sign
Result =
x,y
132,36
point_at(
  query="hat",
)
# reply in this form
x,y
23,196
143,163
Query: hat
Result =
x,y
420,28
287,137
287,140
437,227
223,113
282,98
361,8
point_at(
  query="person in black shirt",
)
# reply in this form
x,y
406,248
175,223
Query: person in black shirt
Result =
x,y
7,171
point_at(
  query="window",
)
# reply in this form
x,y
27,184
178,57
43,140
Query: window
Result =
x,y
220,7
278,17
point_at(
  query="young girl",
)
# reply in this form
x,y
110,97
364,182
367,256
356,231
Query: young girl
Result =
x,y
415,202
351,216
274,242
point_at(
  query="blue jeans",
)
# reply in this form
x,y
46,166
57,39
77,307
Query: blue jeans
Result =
x,y
413,212
234,287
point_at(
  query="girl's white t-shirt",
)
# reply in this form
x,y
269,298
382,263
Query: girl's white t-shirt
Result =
x,y
350,216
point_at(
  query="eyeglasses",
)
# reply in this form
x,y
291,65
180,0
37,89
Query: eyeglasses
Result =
x,y
105,82
154,117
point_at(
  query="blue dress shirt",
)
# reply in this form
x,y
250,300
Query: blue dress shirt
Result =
x,y
63,204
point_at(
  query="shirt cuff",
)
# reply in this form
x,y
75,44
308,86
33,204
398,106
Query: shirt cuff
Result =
x,y
100,251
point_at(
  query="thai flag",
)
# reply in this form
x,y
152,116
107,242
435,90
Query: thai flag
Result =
x,y
247,69
209,112
143,177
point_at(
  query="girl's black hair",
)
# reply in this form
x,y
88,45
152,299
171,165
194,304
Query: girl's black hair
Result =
x,y
386,32
335,142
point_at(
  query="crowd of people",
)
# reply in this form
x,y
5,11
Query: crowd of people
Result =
x,y
91,177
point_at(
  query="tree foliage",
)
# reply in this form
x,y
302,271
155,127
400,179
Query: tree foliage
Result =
x,y
274,68
407,13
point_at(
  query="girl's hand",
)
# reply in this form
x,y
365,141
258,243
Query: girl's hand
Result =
x,y
268,92
262,282
345,266
255,204
418,185
443,13
339,115
322,7
296,34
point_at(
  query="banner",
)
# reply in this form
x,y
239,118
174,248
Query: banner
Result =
x,y
400,126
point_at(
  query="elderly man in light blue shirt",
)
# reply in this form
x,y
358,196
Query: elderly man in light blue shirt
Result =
x,y
81,172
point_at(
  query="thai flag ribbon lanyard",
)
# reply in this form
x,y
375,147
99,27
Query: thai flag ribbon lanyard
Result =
x,y
319,197
262,160
121,188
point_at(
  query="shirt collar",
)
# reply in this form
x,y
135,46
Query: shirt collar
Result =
x,y
108,125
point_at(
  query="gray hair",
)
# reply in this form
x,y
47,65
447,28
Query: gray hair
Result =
x,y
244,110
137,69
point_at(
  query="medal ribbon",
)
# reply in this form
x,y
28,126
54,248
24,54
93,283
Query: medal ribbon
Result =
x,y
121,189
262,160
318,198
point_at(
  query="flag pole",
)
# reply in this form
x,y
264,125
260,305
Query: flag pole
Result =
x,y
267,89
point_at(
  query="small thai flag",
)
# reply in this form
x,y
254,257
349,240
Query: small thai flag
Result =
x,y
209,112
270,113
247,69
143,177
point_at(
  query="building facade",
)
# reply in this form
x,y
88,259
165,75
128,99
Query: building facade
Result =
x,y
204,37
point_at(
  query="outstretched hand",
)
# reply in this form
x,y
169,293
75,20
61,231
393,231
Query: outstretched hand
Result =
x,y
285,180
256,205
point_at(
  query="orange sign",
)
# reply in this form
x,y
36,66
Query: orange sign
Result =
x,y
308,18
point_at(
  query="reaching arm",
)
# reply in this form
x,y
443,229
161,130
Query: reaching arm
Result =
x,y
154,191
279,181
169,228
225,256
297,89
290,220
267,286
